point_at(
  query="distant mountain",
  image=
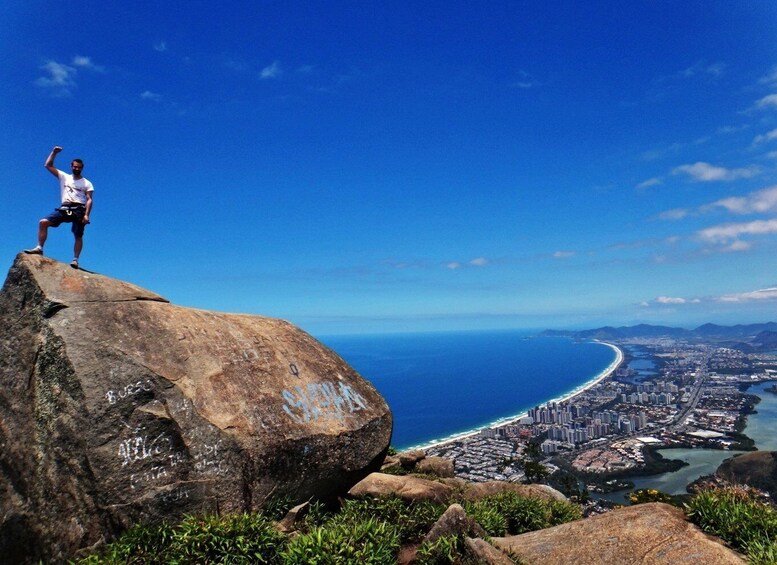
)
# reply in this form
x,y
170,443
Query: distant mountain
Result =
x,y
738,331
750,337
766,340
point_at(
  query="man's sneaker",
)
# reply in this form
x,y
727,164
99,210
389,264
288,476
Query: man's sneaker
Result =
x,y
37,250
74,263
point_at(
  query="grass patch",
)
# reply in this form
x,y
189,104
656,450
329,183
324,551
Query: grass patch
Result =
x,y
235,539
735,516
509,513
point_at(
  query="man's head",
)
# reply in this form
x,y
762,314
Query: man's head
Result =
x,y
77,165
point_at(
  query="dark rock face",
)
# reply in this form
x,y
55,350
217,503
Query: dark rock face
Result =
x,y
118,407
756,469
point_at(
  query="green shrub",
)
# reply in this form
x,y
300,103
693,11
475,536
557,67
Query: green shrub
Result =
x,y
234,539
368,541
738,519
413,520
490,518
239,538
520,513
317,514
140,545
443,551
277,506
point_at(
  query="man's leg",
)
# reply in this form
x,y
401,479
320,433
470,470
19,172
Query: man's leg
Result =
x,y
43,231
78,233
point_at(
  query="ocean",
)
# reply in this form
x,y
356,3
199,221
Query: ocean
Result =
x,y
440,385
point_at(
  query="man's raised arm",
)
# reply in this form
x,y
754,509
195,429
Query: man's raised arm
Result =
x,y
49,164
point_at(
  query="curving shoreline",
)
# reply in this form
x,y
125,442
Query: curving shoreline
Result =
x,y
607,372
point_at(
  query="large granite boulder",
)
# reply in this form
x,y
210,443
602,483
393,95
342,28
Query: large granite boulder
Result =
x,y
117,407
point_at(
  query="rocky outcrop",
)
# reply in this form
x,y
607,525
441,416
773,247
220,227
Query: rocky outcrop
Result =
x,y
756,469
654,533
118,407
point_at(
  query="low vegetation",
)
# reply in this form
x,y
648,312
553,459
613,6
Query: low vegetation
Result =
x,y
739,518
374,530
369,530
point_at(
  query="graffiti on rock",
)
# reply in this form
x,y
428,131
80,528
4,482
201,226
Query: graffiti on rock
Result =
x,y
309,403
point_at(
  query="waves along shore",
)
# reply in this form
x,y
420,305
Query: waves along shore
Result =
x,y
607,372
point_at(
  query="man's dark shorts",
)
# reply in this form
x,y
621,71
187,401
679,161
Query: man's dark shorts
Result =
x,y
71,214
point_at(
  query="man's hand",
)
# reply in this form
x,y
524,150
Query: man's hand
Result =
x,y
49,164
85,219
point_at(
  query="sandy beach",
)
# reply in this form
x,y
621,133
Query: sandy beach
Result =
x,y
514,419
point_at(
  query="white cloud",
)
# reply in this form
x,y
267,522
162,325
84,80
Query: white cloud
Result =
x,y
736,246
770,78
271,71
675,214
704,172
86,63
59,78
148,95
525,81
701,68
670,300
767,101
759,202
655,181
762,294
725,233
160,46
563,254
476,262
768,136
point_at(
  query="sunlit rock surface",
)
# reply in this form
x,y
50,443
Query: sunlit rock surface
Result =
x,y
117,406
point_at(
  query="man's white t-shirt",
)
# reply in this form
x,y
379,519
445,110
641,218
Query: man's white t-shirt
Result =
x,y
73,190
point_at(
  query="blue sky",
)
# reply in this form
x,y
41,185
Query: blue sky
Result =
x,y
360,167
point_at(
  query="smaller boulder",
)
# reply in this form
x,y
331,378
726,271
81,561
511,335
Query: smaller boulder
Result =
x,y
408,459
389,462
481,490
293,517
406,487
438,466
454,522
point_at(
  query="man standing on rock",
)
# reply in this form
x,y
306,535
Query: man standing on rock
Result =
x,y
76,197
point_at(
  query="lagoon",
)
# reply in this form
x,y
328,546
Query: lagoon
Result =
x,y
760,427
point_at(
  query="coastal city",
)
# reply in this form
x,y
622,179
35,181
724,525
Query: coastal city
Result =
x,y
658,393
